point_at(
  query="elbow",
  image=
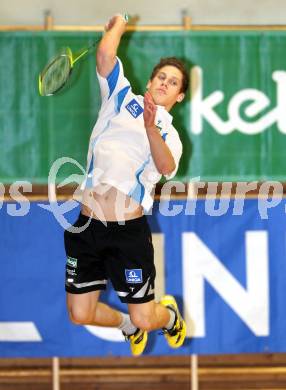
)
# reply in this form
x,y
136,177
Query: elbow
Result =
x,y
104,54
167,169
105,61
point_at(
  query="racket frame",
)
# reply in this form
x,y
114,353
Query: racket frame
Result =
x,y
72,60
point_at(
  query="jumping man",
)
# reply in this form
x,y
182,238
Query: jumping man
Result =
x,y
132,144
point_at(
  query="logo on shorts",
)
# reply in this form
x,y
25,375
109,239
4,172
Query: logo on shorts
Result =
x,y
133,275
134,108
72,262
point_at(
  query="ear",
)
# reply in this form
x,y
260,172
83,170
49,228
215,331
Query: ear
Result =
x,y
148,84
180,97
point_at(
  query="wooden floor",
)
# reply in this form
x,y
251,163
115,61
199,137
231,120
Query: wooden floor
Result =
x,y
232,372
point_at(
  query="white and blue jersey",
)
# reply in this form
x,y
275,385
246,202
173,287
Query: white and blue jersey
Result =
x,y
119,151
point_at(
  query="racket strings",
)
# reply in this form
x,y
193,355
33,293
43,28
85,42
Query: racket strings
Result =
x,y
55,75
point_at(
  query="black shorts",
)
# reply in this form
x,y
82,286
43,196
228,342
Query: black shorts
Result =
x,y
122,253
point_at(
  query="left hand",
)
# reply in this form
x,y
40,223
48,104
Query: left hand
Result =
x,y
150,110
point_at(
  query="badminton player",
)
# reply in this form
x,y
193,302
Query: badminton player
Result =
x,y
133,144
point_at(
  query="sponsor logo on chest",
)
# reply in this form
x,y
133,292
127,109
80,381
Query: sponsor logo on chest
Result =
x,y
134,108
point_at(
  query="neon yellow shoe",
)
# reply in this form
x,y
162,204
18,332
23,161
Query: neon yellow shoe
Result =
x,y
138,341
175,336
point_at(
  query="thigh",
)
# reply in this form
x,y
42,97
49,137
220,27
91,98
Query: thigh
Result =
x,y
85,270
131,268
144,310
82,302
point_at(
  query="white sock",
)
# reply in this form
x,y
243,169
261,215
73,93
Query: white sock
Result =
x,y
172,319
126,325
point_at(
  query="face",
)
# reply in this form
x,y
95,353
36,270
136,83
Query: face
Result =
x,y
165,87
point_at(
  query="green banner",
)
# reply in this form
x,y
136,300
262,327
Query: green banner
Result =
x,y
232,124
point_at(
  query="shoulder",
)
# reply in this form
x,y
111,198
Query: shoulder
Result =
x,y
114,73
114,82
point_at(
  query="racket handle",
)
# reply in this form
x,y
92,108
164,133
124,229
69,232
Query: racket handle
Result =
x,y
83,52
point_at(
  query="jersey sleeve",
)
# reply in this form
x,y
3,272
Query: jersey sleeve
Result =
x,y
175,145
113,83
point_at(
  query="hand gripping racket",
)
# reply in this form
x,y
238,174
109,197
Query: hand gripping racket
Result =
x,y
57,72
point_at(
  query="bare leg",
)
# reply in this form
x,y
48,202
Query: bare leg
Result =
x,y
149,316
85,309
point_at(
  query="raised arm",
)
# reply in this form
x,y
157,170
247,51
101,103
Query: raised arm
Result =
x,y
107,48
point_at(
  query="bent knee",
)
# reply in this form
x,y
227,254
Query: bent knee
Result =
x,y
79,316
142,322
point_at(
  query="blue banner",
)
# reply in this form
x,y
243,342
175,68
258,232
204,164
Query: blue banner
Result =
x,y
224,262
